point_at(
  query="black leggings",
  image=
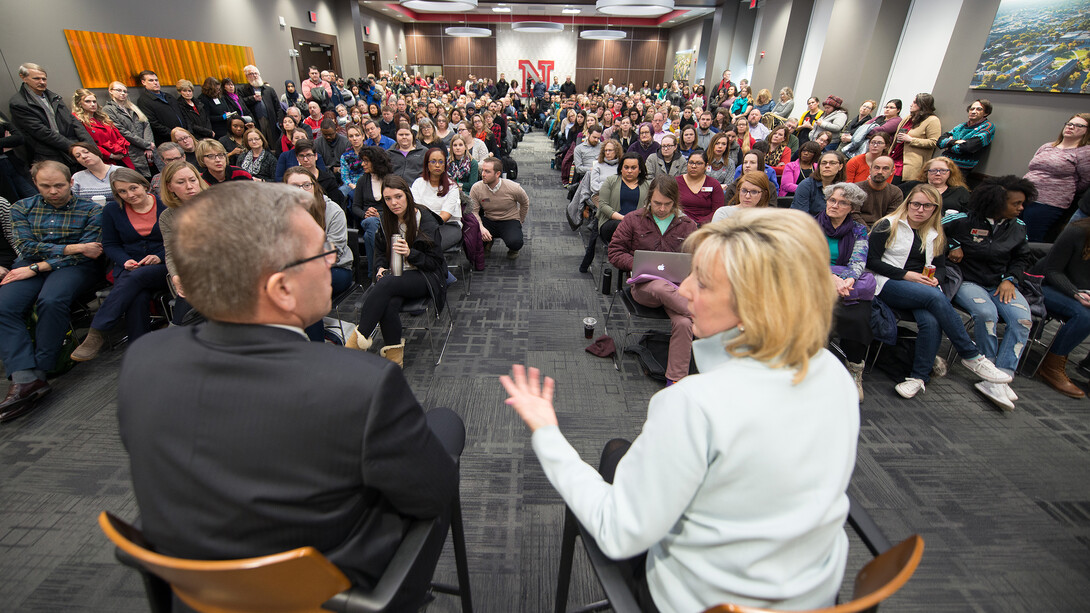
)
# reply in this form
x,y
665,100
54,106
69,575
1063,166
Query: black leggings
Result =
x,y
382,304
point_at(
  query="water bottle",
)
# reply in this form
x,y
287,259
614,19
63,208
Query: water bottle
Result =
x,y
607,281
397,262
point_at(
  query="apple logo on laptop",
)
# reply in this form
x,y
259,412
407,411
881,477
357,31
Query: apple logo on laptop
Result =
x,y
662,267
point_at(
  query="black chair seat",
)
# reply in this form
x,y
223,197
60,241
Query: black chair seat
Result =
x,y
639,310
415,306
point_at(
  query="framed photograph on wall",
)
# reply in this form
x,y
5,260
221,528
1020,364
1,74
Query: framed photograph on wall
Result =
x,y
1037,46
683,64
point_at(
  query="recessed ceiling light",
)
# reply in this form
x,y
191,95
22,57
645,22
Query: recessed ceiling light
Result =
x,y
501,9
571,11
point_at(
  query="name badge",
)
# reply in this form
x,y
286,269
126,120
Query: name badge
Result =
x,y
705,189
979,234
215,100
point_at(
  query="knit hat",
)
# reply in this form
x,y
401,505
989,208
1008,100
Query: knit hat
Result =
x,y
834,101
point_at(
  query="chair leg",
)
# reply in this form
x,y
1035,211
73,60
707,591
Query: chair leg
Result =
x,y
450,328
567,555
457,534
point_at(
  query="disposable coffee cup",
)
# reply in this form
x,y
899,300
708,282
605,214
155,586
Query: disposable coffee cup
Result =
x,y
588,326
99,200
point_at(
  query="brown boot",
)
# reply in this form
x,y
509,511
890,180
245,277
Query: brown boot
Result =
x,y
1053,372
395,353
89,348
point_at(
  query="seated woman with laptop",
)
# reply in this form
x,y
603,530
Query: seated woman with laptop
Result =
x,y
659,226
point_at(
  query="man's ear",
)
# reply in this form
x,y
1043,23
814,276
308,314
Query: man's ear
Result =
x,y
280,291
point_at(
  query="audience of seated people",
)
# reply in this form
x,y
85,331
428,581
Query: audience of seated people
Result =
x,y
418,169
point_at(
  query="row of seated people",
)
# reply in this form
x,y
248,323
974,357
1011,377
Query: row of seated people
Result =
x,y
618,188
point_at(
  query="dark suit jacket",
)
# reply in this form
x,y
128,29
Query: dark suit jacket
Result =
x,y
42,142
162,116
247,440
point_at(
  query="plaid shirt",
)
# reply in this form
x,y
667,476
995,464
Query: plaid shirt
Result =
x,y
42,231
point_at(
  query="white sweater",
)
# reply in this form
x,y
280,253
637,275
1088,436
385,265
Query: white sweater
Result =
x,y
897,253
736,485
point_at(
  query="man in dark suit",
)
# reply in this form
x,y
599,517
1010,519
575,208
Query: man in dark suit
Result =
x,y
46,122
160,108
261,97
245,439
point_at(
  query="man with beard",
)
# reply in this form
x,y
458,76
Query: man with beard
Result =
x,y
261,97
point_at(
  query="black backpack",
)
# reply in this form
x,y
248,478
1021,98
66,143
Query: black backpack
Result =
x,y
510,167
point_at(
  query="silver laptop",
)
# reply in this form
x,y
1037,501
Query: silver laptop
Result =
x,y
673,267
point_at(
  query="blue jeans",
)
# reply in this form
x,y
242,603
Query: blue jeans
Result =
x,y
1075,329
1077,216
987,310
341,278
370,226
52,293
934,315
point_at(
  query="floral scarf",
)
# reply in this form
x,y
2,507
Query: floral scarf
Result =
x,y
458,169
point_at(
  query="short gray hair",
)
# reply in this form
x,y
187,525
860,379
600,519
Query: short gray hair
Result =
x,y
26,67
242,223
852,192
161,149
50,165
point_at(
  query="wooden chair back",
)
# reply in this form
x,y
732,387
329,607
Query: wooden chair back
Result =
x,y
294,581
876,581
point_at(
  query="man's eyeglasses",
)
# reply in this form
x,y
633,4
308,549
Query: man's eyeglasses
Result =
x,y
328,252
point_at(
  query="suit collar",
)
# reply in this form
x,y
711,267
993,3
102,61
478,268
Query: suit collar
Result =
x,y
222,333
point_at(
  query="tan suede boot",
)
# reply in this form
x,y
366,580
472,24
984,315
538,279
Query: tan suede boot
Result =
x,y
358,340
395,353
89,348
1052,371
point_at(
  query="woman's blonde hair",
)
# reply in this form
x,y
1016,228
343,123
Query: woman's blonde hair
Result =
x,y
933,223
954,180
128,102
172,169
776,261
83,115
208,146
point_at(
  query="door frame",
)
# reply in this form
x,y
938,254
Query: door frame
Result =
x,y
299,35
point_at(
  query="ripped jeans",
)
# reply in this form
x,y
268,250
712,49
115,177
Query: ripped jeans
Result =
x,y
987,310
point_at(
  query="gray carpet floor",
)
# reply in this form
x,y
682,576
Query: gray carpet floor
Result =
x,y
1001,499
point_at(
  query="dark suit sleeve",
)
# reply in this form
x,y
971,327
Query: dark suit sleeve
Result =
x,y
402,458
158,129
38,130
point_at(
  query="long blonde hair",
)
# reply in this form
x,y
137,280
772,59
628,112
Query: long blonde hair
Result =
x,y
933,223
128,102
777,263
77,108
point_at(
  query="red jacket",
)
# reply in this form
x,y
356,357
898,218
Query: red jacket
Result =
x,y
637,231
109,141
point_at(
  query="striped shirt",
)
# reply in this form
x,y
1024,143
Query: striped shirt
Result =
x,y
42,230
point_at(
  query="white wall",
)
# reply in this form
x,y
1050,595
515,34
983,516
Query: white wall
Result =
x,y
511,46
387,33
811,52
682,38
925,42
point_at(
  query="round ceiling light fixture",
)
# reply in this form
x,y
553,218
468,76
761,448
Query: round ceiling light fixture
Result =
x,y
602,34
634,8
537,27
467,32
440,6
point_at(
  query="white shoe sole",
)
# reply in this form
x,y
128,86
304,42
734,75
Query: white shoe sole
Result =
x,y
1001,378
1000,401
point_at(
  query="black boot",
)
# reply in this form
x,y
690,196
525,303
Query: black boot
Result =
x,y
588,257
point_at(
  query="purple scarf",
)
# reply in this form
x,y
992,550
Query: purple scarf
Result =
x,y
234,100
845,238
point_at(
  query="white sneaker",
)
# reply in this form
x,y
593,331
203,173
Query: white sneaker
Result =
x,y
939,368
995,393
1010,393
983,368
909,387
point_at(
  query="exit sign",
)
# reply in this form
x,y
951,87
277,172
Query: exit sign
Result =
x,y
313,17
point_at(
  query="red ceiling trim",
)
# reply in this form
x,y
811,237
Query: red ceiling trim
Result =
x,y
648,22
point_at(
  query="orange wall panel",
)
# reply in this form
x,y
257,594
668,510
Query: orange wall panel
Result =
x,y
102,57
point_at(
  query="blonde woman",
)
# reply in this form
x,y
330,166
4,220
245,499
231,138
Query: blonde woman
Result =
x,y
762,310
113,145
181,182
908,260
133,125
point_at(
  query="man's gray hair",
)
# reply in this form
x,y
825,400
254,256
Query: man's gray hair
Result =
x,y
852,192
163,148
25,68
229,239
